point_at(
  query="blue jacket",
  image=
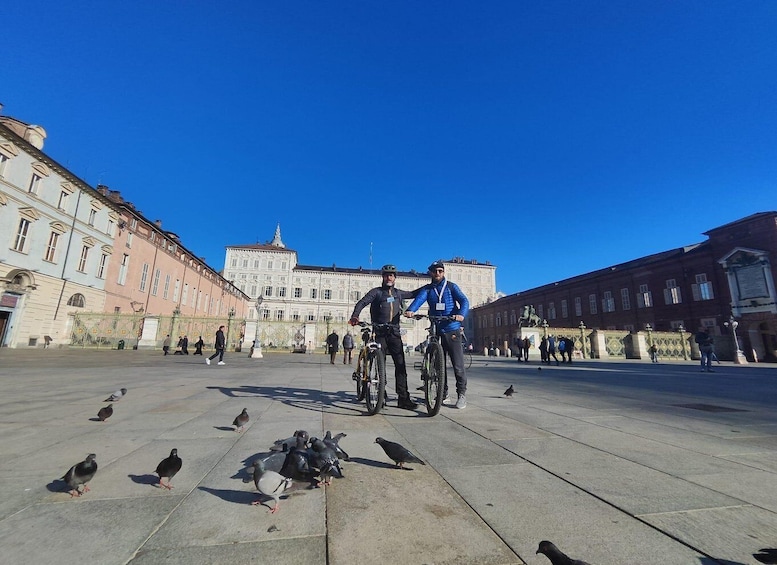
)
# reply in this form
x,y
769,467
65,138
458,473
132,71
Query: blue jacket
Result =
x,y
452,297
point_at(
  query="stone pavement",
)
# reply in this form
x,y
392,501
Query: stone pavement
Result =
x,y
615,462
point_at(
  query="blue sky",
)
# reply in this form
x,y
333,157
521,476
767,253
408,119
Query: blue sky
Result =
x,y
550,138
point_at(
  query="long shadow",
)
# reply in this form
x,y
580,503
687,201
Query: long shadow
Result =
x,y
304,398
146,479
235,496
372,463
58,485
709,561
766,555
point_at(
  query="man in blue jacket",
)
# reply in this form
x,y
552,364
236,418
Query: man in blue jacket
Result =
x,y
446,299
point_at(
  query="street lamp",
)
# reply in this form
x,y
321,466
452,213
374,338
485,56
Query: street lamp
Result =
x,y
545,328
582,338
257,352
739,357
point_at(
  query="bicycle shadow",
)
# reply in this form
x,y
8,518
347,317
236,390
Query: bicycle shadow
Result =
x,y
303,398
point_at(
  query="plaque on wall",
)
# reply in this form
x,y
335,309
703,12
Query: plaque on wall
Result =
x,y
751,282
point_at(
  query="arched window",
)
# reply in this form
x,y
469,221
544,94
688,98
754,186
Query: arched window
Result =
x,y
77,300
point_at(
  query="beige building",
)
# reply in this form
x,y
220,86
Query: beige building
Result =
x,y
301,304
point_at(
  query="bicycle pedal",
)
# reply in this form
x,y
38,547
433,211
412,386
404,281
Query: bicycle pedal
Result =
x,y
355,377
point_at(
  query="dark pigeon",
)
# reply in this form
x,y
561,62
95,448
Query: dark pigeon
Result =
x,y
241,421
269,483
324,458
289,441
297,465
105,412
767,555
168,468
80,474
334,443
556,557
398,453
118,395
509,392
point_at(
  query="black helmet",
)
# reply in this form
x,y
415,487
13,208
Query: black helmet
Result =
x,y
388,270
436,265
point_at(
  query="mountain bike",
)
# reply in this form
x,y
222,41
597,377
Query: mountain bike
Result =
x,y
433,367
370,373
467,351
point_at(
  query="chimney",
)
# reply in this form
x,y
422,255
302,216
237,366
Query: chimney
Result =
x,y
158,223
102,189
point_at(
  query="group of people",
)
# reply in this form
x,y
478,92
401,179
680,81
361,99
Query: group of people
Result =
x,y
182,346
443,297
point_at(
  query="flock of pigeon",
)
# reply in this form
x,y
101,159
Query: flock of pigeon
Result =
x,y
81,473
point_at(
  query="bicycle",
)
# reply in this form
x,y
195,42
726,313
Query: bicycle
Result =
x,y
467,351
433,367
370,373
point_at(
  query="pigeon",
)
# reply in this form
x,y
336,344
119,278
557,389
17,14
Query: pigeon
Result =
x,y
398,453
297,464
324,458
241,421
168,467
767,555
116,395
105,412
509,392
80,474
278,445
334,443
556,557
269,483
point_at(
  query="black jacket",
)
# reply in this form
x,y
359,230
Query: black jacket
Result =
x,y
386,304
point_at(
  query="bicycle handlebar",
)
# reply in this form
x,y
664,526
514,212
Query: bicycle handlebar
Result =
x,y
435,318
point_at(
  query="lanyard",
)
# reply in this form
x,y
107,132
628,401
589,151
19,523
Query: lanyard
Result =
x,y
440,294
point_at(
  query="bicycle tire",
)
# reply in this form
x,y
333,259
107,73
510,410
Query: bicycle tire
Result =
x,y
434,386
360,374
467,360
376,382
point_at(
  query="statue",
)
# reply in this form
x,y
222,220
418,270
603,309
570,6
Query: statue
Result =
x,y
529,317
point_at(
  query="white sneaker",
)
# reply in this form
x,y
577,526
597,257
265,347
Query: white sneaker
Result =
x,y
461,402
447,401
207,361
221,363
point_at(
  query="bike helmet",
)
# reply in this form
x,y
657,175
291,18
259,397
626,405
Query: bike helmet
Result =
x,y
388,270
436,265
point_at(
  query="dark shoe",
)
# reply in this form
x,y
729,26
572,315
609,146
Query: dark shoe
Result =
x,y
407,404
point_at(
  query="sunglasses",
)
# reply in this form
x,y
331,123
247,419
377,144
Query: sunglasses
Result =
x,y
438,270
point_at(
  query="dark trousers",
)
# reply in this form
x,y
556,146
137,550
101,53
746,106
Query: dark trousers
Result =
x,y
392,345
451,345
219,353
525,353
166,349
347,356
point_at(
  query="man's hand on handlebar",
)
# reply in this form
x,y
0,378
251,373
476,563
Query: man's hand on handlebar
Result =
x,y
353,321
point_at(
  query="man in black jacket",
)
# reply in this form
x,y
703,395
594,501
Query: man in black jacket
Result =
x,y
386,308
220,345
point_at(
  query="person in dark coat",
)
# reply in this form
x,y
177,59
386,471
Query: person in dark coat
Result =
x,y
332,345
526,347
185,345
221,344
198,346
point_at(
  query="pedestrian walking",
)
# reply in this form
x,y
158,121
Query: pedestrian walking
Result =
x,y
348,349
198,346
220,345
332,345
166,344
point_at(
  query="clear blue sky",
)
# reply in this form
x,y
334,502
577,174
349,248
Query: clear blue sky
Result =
x,y
548,137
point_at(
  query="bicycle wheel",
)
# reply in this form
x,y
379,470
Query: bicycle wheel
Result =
x,y
376,382
359,375
434,386
467,359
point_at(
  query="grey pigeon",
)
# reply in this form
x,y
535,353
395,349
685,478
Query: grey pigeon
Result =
x,y
80,474
509,392
269,483
241,421
116,395
289,441
168,467
556,557
334,443
105,412
297,465
767,555
397,453
275,460
324,458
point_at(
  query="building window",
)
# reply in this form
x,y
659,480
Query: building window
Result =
x,y
102,266
129,239
268,291
155,282
233,263
327,294
578,306
51,247
92,216
21,235
3,163
123,269
166,291
540,311
675,325
608,302
34,186
592,304
313,293
672,293
77,300
245,263
295,316
143,277
282,291
109,229
311,317
83,258
644,297
625,301
297,292
185,293
283,265
265,314
133,224
564,309
256,263
269,264
702,288
176,290
551,310
253,290
279,315
498,320
62,204
512,317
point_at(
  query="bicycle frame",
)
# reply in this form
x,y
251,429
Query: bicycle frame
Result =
x,y
433,367
370,373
